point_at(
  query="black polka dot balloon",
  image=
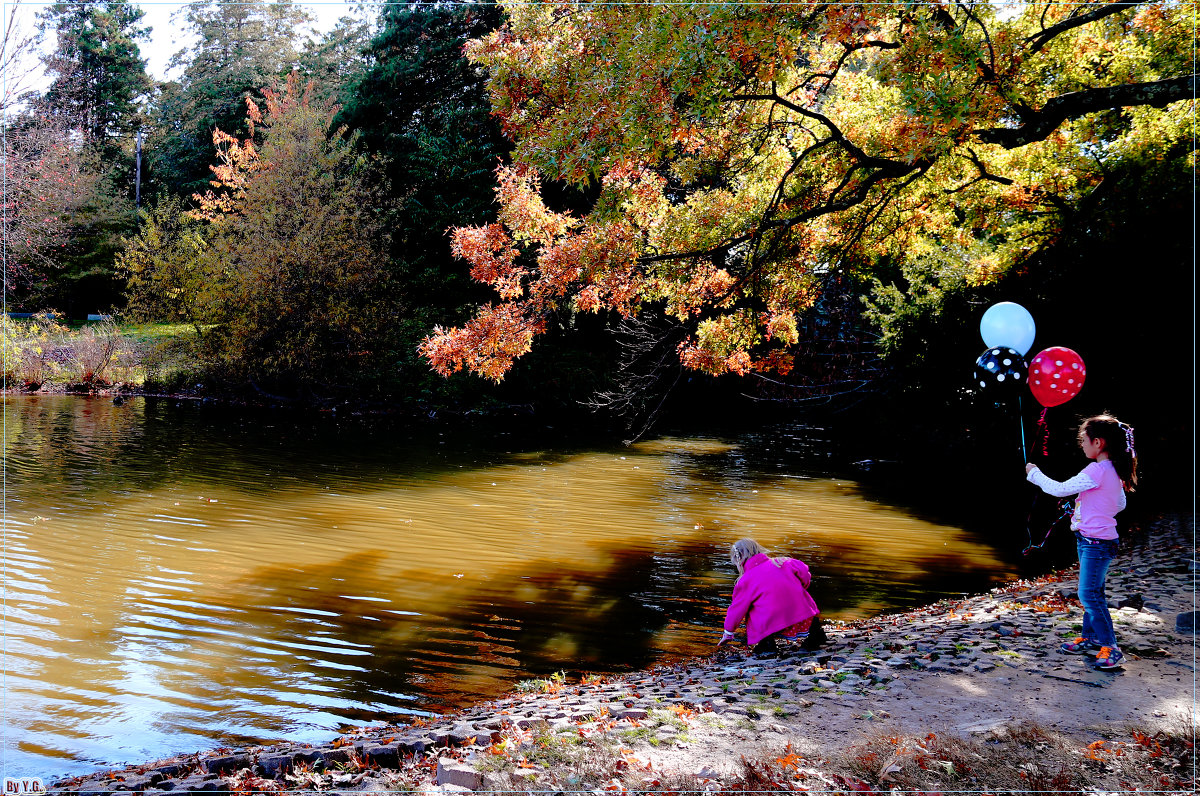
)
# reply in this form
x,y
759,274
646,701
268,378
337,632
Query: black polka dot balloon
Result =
x,y
1000,370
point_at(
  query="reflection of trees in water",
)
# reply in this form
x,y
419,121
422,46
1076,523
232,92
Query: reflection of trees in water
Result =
x,y
93,445
477,639
72,443
841,590
750,458
264,639
288,640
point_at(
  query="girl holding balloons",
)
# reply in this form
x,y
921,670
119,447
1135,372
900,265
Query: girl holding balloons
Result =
x,y
1055,376
1101,487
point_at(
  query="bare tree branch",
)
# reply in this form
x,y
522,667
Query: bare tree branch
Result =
x,y
648,370
899,168
18,59
984,174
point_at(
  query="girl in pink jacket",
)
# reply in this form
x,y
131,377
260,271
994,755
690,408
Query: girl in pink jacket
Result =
x,y
771,594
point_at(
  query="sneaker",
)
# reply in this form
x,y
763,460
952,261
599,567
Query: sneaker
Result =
x,y
1109,658
1080,644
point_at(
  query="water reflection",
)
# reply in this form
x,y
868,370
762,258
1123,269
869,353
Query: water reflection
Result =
x,y
179,577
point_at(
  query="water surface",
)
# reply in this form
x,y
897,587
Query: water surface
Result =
x,y
179,577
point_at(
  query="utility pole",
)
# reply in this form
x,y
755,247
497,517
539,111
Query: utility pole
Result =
x,y
137,179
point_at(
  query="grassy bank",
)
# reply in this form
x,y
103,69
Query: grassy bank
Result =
x,y
47,353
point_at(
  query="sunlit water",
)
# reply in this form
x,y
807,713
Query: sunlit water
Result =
x,y
178,577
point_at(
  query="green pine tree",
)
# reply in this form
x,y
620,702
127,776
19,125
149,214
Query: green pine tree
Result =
x,y
239,49
424,110
99,77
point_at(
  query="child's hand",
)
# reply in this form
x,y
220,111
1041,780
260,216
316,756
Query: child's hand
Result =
x,y
1030,467
726,637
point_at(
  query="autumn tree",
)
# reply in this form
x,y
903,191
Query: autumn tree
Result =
x,y
65,214
80,129
754,165
291,268
47,189
170,269
43,184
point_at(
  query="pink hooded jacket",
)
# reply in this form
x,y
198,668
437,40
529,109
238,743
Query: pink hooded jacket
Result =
x,y
770,597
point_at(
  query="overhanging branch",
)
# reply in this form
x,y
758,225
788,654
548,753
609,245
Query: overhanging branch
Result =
x,y
1040,39
896,167
1038,125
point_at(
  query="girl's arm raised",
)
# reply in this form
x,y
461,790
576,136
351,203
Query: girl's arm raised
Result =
x,y
1073,486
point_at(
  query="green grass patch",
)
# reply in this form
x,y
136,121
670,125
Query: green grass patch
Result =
x,y
638,734
157,333
666,717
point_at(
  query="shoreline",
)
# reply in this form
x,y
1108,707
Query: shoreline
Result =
x,y
980,667
407,411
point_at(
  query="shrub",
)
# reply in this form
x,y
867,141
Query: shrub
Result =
x,y
93,351
41,350
10,352
32,349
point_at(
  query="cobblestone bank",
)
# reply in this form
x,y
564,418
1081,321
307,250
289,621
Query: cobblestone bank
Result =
x,y
1018,626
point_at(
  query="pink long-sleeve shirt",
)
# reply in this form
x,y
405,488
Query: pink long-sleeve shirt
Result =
x,y
770,596
1101,497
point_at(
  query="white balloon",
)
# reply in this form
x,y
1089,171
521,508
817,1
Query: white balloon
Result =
x,y
1009,325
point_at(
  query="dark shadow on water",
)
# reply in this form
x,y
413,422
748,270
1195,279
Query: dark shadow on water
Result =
x,y
547,617
516,625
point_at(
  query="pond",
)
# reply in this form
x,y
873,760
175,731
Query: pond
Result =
x,y
180,577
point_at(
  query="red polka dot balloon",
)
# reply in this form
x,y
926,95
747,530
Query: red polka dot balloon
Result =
x,y
1056,376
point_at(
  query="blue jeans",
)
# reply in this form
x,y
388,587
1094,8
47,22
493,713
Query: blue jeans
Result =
x,y
1094,557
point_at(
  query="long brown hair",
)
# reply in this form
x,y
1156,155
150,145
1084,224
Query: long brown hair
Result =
x,y
1118,442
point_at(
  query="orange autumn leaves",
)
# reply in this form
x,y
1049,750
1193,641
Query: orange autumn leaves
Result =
x,y
582,265
540,262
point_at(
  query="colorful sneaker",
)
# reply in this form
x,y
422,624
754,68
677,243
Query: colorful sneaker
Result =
x,y
1109,658
1080,644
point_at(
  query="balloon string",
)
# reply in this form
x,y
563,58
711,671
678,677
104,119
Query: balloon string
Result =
x,y
1067,506
1021,420
1067,509
1044,431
